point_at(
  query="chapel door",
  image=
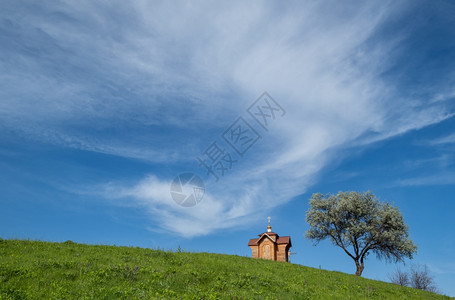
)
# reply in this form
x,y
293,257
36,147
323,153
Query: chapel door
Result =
x,y
267,251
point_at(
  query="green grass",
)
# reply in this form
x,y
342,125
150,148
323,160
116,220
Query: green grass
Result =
x,y
43,270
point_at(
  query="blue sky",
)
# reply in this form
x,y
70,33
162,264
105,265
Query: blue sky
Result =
x,y
103,104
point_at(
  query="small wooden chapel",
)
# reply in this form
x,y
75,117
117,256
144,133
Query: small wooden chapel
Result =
x,y
271,246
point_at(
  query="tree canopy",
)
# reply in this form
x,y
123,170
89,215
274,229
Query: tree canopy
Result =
x,y
359,224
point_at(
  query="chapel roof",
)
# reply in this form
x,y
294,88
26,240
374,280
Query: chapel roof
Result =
x,y
279,241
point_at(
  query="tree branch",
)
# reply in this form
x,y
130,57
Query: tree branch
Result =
x,y
341,244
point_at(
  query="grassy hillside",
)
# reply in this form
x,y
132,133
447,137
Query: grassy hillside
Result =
x,y
31,269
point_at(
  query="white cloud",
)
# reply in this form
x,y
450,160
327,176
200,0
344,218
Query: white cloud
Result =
x,y
153,195
434,179
159,75
447,267
449,139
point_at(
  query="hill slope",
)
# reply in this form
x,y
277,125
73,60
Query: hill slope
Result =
x,y
30,269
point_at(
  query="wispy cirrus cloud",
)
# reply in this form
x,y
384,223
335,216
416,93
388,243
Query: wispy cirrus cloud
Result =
x,y
430,180
159,81
449,139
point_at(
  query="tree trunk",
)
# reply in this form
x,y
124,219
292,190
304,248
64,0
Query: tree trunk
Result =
x,y
359,269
